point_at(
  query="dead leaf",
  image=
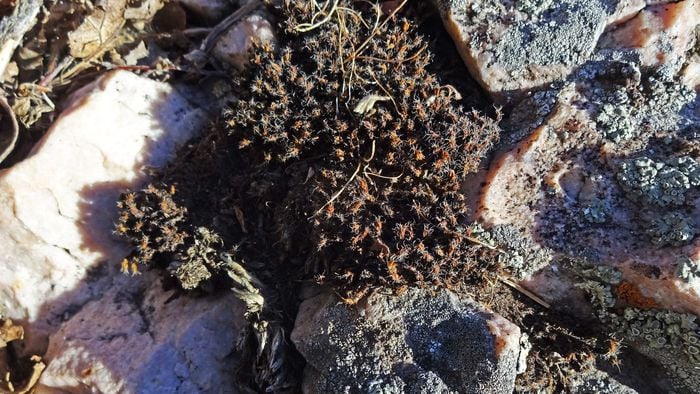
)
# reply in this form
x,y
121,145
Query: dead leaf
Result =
x,y
9,130
367,103
10,332
98,29
136,54
31,104
241,219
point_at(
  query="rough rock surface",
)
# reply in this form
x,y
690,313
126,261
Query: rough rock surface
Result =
x,y
659,34
595,194
418,342
608,187
512,47
233,46
133,339
59,262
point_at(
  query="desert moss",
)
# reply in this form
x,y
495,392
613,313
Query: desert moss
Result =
x,y
297,183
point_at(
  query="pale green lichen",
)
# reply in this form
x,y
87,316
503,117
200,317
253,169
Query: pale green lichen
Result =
x,y
522,255
601,273
687,269
596,211
672,338
615,122
533,7
689,167
599,294
658,183
665,94
673,228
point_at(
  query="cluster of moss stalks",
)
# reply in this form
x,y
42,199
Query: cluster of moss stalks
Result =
x,y
340,164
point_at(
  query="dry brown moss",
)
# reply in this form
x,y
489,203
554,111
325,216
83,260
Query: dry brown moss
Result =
x,y
364,197
340,163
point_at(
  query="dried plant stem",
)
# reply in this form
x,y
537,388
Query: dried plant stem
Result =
x,y
525,291
306,27
354,175
376,29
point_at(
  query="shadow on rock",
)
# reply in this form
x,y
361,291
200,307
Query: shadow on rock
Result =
x,y
110,332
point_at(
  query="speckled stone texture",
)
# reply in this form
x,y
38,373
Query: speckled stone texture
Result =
x,y
105,332
512,47
599,172
418,342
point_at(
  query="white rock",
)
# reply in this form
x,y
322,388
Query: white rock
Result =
x,y
59,262
233,46
133,340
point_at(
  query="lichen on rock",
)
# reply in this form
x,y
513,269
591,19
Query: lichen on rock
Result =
x,y
673,228
656,182
671,337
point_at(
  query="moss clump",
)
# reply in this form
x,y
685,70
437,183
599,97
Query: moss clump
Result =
x,y
153,221
365,197
382,204
339,163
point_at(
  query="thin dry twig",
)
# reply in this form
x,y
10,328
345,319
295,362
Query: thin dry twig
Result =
x,y
354,175
306,27
525,292
395,61
376,29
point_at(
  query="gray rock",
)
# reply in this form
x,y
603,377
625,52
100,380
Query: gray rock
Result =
x,y
510,49
599,382
419,342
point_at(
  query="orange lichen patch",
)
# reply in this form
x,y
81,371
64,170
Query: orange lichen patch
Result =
x,y
629,295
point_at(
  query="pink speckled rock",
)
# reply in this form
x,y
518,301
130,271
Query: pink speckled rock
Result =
x,y
105,332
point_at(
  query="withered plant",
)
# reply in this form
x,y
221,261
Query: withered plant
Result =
x,y
341,163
